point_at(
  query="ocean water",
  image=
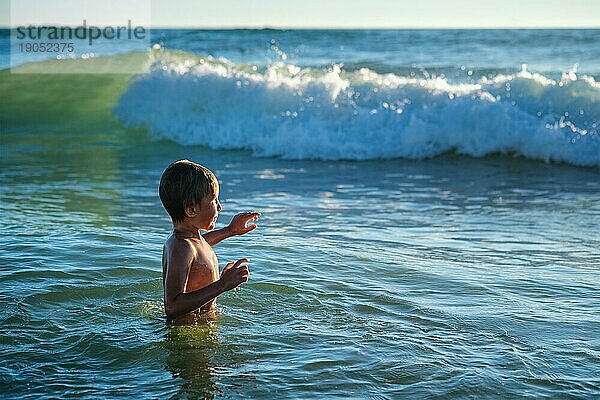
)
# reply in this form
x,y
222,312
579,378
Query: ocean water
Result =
x,y
430,214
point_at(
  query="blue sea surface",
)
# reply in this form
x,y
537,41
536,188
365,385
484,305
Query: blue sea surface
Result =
x,y
430,207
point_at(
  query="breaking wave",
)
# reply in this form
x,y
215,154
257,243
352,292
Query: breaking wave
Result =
x,y
307,113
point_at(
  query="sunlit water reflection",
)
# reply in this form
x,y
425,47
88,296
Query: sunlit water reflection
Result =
x,y
451,277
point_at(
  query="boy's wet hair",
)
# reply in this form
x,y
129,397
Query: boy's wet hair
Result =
x,y
183,184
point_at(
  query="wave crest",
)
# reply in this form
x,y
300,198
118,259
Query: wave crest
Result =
x,y
331,114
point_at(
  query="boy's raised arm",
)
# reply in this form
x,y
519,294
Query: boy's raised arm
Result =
x,y
237,226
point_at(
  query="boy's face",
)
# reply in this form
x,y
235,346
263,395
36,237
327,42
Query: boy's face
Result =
x,y
206,215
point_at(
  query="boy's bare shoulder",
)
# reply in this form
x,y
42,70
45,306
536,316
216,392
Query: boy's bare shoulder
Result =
x,y
186,249
180,249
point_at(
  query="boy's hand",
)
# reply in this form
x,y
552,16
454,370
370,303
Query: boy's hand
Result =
x,y
234,274
237,226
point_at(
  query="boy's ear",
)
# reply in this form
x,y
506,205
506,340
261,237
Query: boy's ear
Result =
x,y
190,211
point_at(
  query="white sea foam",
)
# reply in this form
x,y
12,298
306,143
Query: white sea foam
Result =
x,y
331,114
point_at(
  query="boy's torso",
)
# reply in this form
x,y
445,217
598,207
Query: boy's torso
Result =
x,y
203,271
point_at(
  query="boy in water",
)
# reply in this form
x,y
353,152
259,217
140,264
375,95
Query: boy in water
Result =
x,y
191,281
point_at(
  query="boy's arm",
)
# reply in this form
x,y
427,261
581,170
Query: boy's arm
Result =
x,y
237,226
214,237
178,302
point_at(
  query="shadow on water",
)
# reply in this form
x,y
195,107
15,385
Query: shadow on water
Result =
x,y
190,359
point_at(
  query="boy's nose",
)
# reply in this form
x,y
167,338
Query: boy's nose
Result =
x,y
219,207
